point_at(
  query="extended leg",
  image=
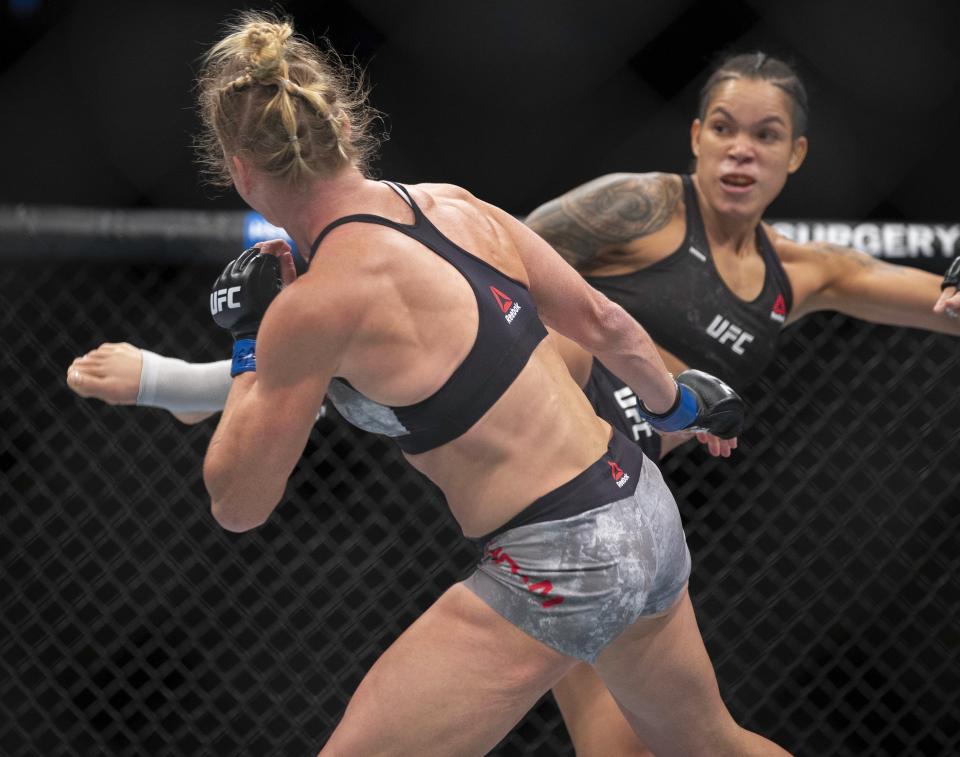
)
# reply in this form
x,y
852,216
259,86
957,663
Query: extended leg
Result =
x,y
454,683
594,721
659,672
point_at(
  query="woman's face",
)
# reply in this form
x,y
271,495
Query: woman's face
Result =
x,y
745,147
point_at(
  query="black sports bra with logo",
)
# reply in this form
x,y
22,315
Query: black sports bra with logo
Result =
x,y
690,312
508,331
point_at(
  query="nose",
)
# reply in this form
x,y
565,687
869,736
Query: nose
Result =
x,y
741,149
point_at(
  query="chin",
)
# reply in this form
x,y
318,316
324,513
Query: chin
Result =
x,y
745,207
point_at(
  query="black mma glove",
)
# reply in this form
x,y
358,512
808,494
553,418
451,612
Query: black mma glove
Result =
x,y
238,300
952,277
704,403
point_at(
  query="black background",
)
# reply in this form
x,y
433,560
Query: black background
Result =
x,y
517,101
825,552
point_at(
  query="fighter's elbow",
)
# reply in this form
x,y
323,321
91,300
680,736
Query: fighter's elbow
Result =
x,y
232,504
216,476
609,323
606,314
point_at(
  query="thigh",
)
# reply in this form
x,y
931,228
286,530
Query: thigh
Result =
x,y
454,683
596,725
659,672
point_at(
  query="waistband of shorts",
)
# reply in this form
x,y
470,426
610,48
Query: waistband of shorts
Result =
x,y
613,477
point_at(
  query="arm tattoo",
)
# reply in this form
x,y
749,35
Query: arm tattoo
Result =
x,y
861,260
608,211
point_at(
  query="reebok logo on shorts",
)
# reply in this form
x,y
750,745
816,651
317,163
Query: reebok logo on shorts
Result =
x,y
779,312
507,306
618,475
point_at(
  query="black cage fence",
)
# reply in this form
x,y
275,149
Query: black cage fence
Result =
x,y
825,551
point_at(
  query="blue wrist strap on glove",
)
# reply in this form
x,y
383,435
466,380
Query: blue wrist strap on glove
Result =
x,y
244,357
680,416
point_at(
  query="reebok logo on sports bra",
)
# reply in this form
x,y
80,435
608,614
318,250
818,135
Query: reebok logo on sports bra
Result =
x,y
508,306
677,297
779,312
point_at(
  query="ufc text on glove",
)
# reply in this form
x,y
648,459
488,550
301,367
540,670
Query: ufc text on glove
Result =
x,y
239,298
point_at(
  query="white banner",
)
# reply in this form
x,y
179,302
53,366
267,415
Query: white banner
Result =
x,y
894,241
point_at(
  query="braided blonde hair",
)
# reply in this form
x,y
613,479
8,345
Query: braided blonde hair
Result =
x,y
295,111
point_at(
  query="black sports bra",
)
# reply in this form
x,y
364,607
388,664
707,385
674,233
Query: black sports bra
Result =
x,y
509,330
689,311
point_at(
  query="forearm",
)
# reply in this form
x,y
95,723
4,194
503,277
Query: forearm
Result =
x,y
856,284
282,365
921,317
896,295
623,346
236,473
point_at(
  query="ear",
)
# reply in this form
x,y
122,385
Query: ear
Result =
x,y
797,153
695,137
240,173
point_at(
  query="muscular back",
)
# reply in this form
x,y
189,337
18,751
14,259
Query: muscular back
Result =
x,y
416,321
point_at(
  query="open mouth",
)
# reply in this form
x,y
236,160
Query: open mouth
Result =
x,y
737,181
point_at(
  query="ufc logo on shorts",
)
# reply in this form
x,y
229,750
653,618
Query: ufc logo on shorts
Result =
x,y
723,331
223,297
628,403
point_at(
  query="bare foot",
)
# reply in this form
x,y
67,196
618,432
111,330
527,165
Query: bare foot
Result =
x,y
110,373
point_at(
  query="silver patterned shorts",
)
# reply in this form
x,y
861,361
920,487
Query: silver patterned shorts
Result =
x,y
577,582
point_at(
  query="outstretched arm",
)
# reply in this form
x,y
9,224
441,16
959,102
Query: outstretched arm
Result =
x,y
606,213
567,304
829,277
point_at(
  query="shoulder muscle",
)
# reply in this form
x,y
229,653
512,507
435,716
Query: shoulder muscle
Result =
x,y
607,212
304,333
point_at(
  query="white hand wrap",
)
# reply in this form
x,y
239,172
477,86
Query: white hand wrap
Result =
x,y
182,387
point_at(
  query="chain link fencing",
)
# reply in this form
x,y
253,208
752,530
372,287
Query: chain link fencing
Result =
x,y
825,551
